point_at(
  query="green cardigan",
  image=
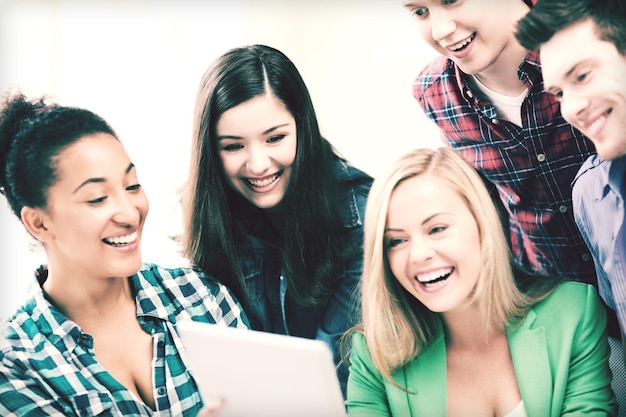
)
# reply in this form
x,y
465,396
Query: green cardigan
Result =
x,y
560,355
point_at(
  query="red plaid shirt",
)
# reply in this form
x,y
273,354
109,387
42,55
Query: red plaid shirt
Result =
x,y
532,167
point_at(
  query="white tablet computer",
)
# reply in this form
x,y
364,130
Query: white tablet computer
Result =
x,y
262,374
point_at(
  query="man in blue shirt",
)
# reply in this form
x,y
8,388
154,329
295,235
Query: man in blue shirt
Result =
x,y
583,55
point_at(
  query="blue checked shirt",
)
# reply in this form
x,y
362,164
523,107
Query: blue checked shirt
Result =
x,y
599,212
48,366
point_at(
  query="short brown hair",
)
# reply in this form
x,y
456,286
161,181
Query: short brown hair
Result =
x,y
551,16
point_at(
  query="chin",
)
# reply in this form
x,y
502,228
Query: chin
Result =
x,y
268,205
609,154
130,268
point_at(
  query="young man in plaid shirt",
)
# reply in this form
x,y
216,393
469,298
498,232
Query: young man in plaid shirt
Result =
x,y
486,94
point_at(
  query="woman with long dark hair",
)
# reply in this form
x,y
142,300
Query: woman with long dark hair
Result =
x,y
271,208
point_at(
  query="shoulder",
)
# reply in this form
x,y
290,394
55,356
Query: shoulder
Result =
x,y
572,291
181,275
16,330
358,341
35,339
589,189
186,280
169,292
434,77
32,326
569,319
354,186
359,352
572,302
590,170
351,177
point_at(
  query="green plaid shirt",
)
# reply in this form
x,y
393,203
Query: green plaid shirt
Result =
x,y
48,367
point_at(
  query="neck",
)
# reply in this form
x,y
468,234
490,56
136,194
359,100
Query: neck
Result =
x,y
466,328
276,216
501,76
88,300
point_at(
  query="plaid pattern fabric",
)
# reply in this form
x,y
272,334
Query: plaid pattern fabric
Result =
x,y
48,367
532,166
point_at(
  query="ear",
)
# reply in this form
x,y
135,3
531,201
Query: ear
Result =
x,y
33,220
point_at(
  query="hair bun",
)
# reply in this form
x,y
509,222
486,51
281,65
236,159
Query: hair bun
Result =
x,y
14,116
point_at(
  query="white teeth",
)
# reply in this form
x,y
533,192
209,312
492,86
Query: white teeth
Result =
x,y
434,275
461,44
264,182
596,123
122,240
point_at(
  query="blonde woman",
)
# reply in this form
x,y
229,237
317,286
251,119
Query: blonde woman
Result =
x,y
451,326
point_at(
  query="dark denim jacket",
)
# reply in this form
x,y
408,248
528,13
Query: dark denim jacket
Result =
x,y
261,263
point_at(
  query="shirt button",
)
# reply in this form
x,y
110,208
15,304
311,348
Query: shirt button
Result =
x,y
495,121
160,344
161,391
541,157
469,94
563,209
586,257
86,340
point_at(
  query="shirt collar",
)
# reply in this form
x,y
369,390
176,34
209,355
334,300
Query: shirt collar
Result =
x,y
528,71
63,333
616,170
610,173
149,296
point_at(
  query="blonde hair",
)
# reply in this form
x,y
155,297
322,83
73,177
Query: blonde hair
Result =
x,y
397,326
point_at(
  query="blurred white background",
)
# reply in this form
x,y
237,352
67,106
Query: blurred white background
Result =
x,y
137,63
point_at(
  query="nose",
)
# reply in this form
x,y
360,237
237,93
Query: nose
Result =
x,y
420,251
573,106
442,24
258,160
127,210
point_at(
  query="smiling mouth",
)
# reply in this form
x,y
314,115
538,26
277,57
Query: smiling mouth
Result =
x,y
459,46
121,240
435,277
598,121
263,182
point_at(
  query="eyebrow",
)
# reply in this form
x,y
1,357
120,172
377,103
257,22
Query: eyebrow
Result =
x,y
409,3
567,74
571,70
426,220
270,130
98,180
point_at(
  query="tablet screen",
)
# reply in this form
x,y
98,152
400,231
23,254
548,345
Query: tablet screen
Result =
x,y
262,374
